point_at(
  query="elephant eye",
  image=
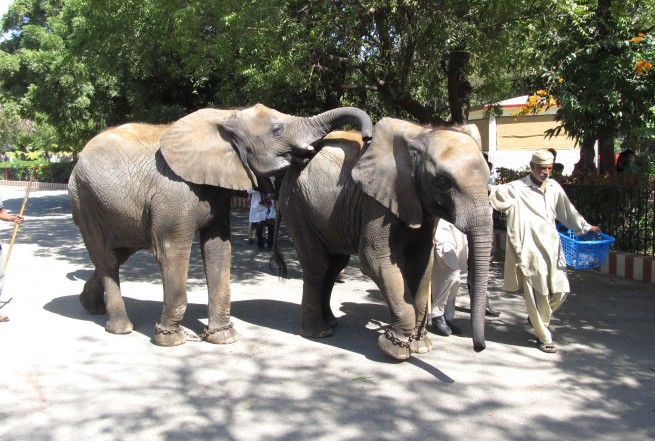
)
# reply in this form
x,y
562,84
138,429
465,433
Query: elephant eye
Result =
x,y
278,128
444,183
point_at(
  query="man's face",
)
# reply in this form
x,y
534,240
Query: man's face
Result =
x,y
541,172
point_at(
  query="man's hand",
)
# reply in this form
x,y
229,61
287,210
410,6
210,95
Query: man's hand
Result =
x,y
594,229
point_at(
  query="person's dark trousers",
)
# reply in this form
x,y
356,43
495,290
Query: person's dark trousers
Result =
x,y
270,233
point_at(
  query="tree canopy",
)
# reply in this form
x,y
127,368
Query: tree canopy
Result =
x,y
75,67
597,65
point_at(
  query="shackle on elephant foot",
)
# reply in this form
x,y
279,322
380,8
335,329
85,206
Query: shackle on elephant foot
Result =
x,y
419,342
173,336
394,346
221,336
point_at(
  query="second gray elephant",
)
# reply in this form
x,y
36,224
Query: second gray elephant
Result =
x,y
139,186
382,202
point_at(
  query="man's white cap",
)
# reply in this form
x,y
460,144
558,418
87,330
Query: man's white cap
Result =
x,y
542,157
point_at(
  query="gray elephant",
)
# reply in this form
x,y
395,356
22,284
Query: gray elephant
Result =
x,y
382,201
140,186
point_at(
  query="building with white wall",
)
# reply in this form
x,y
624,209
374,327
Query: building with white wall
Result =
x,y
510,141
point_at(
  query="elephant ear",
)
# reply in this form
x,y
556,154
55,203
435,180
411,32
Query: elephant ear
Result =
x,y
198,150
473,131
385,170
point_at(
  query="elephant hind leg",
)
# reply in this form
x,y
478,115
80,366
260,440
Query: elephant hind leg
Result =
x,y
92,297
117,320
337,264
102,294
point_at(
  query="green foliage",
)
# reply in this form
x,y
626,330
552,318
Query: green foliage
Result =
x,y
41,171
598,68
79,66
74,67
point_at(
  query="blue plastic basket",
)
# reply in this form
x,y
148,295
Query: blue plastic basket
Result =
x,y
586,251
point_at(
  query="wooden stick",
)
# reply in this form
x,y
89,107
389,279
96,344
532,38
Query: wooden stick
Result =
x,y
3,303
11,244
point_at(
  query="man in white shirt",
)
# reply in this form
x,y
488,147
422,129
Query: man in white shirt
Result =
x,y
534,258
450,265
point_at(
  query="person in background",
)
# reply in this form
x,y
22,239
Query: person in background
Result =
x,y
7,217
251,238
558,167
626,161
534,258
262,215
450,264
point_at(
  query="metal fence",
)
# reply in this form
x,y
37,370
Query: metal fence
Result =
x,y
622,205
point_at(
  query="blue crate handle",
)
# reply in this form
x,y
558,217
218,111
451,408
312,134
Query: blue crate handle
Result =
x,y
586,251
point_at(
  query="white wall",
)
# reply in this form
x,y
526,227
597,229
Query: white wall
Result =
x,y
518,159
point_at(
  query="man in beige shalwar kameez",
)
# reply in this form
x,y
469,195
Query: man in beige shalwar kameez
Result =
x,y
534,259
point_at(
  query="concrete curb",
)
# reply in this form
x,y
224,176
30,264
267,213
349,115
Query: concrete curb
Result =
x,y
632,266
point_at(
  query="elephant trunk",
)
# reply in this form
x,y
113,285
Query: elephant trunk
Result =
x,y
479,231
318,126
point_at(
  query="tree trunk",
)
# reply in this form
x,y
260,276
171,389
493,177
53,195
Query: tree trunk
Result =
x,y
586,163
459,88
606,153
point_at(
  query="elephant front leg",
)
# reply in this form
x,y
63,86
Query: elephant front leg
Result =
x,y
396,340
217,253
173,258
419,275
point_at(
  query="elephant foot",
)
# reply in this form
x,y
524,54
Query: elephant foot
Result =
x,y
316,331
169,336
92,306
223,335
119,326
422,345
393,346
332,322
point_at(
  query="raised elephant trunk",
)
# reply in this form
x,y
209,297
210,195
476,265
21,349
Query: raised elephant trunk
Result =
x,y
479,234
320,125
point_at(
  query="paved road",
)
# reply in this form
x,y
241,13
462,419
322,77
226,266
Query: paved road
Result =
x,y
63,377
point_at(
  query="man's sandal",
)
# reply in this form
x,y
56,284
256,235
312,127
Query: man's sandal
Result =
x,y
547,347
4,318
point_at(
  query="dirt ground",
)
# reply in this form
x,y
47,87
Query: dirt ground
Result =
x,y
64,377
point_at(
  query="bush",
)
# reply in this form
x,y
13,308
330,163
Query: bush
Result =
x,y
56,172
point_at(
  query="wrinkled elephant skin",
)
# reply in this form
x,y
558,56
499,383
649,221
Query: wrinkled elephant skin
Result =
x,y
139,186
382,201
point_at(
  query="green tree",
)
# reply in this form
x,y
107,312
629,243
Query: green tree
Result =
x,y
79,66
598,66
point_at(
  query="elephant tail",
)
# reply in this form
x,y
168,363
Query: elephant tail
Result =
x,y
277,258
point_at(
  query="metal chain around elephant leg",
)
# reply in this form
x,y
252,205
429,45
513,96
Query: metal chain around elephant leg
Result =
x,y
190,335
179,329
397,341
207,332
